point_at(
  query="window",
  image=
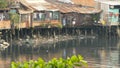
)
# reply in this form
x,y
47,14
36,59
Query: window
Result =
x,y
1,16
4,16
55,15
39,16
24,18
52,15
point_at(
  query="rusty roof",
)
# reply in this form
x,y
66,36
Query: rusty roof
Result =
x,y
51,5
25,3
68,7
40,5
84,2
24,11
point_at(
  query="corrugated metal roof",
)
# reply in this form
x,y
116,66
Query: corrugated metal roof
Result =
x,y
67,7
40,5
84,2
24,11
25,3
55,5
66,1
36,1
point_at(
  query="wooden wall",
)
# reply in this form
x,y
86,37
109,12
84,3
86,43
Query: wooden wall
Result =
x,y
5,25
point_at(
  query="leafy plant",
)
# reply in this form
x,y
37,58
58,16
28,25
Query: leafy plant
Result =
x,y
14,17
54,63
3,4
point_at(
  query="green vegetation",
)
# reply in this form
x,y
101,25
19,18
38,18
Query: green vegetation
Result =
x,y
72,62
96,17
14,17
3,4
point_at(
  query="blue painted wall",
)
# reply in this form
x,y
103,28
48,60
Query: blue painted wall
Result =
x,y
113,17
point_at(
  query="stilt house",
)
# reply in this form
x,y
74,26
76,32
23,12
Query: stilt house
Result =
x,y
76,15
47,13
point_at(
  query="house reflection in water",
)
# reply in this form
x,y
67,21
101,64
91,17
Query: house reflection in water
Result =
x,y
106,54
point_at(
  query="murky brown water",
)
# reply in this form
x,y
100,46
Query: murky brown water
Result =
x,y
100,52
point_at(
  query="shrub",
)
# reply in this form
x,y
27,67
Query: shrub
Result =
x,y
14,17
3,4
71,62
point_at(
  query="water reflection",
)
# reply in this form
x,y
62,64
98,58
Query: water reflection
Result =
x,y
100,52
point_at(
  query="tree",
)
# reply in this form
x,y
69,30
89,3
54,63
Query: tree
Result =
x,y
3,4
14,17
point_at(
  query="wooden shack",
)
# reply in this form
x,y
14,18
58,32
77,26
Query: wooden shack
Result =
x,y
76,15
47,13
25,15
44,14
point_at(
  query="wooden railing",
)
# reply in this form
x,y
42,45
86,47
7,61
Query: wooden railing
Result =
x,y
47,22
7,24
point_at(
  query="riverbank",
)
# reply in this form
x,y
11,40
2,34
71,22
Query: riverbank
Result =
x,y
42,41
42,36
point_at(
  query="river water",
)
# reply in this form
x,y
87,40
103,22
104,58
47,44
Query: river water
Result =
x,y
100,52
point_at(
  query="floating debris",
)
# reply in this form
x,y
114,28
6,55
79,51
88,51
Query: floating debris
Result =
x,y
85,37
3,44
